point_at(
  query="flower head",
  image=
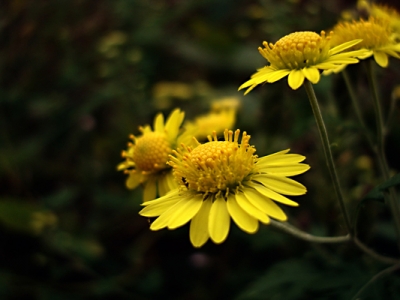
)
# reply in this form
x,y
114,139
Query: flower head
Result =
x,y
219,180
147,155
376,35
300,55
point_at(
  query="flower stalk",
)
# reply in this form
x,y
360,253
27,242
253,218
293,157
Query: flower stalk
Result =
x,y
328,153
391,199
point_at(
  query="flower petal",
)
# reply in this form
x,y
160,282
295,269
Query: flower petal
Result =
x,y
158,208
150,189
245,204
343,46
280,158
312,74
163,220
271,194
295,79
159,123
219,221
278,75
283,170
185,212
264,204
381,58
134,179
242,219
282,185
199,225
173,124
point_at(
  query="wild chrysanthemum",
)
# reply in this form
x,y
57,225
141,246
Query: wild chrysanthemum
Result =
x,y
376,35
301,55
146,157
219,180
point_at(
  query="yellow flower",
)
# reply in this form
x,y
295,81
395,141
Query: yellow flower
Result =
x,y
301,55
376,35
146,158
219,180
383,12
221,116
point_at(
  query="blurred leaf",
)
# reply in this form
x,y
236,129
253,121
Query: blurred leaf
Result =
x,y
377,193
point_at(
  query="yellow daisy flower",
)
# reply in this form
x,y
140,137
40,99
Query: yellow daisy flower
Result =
x,y
146,157
300,55
219,180
376,35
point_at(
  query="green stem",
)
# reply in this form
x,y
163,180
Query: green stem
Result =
x,y
331,240
357,109
392,198
308,237
328,153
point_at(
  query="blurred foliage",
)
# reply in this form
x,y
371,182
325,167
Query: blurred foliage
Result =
x,y
78,76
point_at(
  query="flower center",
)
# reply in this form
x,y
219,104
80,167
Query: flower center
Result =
x,y
374,33
297,50
151,152
216,166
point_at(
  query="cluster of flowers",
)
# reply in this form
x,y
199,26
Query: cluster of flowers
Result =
x,y
210,183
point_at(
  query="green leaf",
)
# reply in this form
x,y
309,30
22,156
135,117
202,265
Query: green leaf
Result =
x,y
377,193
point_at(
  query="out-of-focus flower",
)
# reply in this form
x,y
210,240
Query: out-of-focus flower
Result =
x,y
165,91
219,180
382,12
146,157
301,55
376,35
221,116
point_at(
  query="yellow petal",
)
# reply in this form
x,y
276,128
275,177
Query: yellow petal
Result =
x,y
199,225
272,195
282,185
185,212
343,46
381,59
245,204
159,123
242,219
278,75
279,160
150,189
173,124
172,194
295,79
219,221
264,204
134,179
162,184
158,208
163,220
285,170
312,74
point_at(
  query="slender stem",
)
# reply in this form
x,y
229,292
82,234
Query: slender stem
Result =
x,y
382,273
328,153
392,198
372,253
308,237
356,107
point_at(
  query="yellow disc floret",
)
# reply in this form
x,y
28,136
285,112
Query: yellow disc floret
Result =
x,y
297,50
216,166
151,151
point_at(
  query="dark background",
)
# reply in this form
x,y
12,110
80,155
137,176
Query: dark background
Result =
x,y
79,76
